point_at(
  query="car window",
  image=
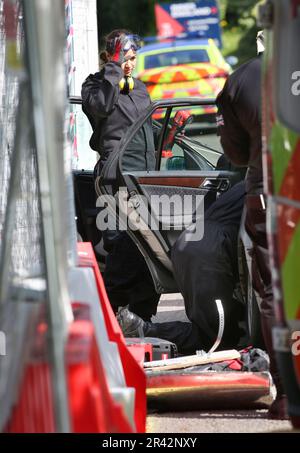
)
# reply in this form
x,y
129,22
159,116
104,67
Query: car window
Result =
x,y
183,156
174,138
176,57
207,144
193,147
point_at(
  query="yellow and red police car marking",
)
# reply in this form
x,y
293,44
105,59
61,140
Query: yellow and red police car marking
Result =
x,y
184,81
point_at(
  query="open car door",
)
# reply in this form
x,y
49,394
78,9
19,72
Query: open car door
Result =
x,y
83,162
155,206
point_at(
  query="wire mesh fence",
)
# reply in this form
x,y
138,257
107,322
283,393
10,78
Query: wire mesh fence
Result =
x,y
22,282
37,216
25,247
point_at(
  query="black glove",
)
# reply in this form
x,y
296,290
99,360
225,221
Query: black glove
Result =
x,y
115,48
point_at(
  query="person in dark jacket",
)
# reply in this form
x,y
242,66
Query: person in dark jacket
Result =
x,y
205,270
113,100
239,125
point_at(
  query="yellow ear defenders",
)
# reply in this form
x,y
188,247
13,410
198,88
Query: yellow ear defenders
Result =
x,y
126,84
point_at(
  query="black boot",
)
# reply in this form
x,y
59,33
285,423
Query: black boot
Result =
x,y
132,325
185,335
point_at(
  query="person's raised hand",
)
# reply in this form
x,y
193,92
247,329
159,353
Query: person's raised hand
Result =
x,y
117,51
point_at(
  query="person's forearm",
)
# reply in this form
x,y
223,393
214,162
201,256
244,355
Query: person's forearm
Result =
x,y
99,95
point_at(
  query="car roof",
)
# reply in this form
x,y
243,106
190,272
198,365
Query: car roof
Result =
x,y
176,43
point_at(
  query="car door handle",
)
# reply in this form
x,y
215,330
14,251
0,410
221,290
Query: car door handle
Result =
x,y
220,185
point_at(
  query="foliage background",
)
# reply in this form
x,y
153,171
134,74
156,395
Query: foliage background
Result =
x,y
237,18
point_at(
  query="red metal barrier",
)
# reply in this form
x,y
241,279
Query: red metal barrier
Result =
x,y
33,412
134,375
92,407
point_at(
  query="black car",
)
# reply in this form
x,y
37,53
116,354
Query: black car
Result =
x,y
189,164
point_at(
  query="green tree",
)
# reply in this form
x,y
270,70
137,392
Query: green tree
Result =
x,y
135,15
238,10
238,20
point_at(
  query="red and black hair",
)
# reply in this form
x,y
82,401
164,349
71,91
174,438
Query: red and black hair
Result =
x,y
109,39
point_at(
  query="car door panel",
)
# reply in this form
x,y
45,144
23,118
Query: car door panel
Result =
x,y
154,230
185,186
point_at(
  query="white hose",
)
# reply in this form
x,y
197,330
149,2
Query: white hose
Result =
x,y
221,326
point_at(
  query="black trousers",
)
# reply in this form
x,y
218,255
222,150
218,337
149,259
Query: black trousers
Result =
x,y
262,280
126,277
207,270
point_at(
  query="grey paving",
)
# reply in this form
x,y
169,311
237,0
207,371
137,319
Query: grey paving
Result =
x,y
215,422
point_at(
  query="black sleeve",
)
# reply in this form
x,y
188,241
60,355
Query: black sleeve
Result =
x,y
234,139
100,92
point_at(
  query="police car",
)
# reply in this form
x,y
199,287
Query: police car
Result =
x,y
183,68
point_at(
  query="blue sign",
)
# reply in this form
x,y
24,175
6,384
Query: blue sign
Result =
x,y
192,20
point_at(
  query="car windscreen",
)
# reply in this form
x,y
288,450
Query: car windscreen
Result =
x,y
176,57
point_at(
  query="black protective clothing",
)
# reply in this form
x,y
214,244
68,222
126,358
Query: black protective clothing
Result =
x,y
205,270
111,112
239,121
239,124
262,278
126,277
